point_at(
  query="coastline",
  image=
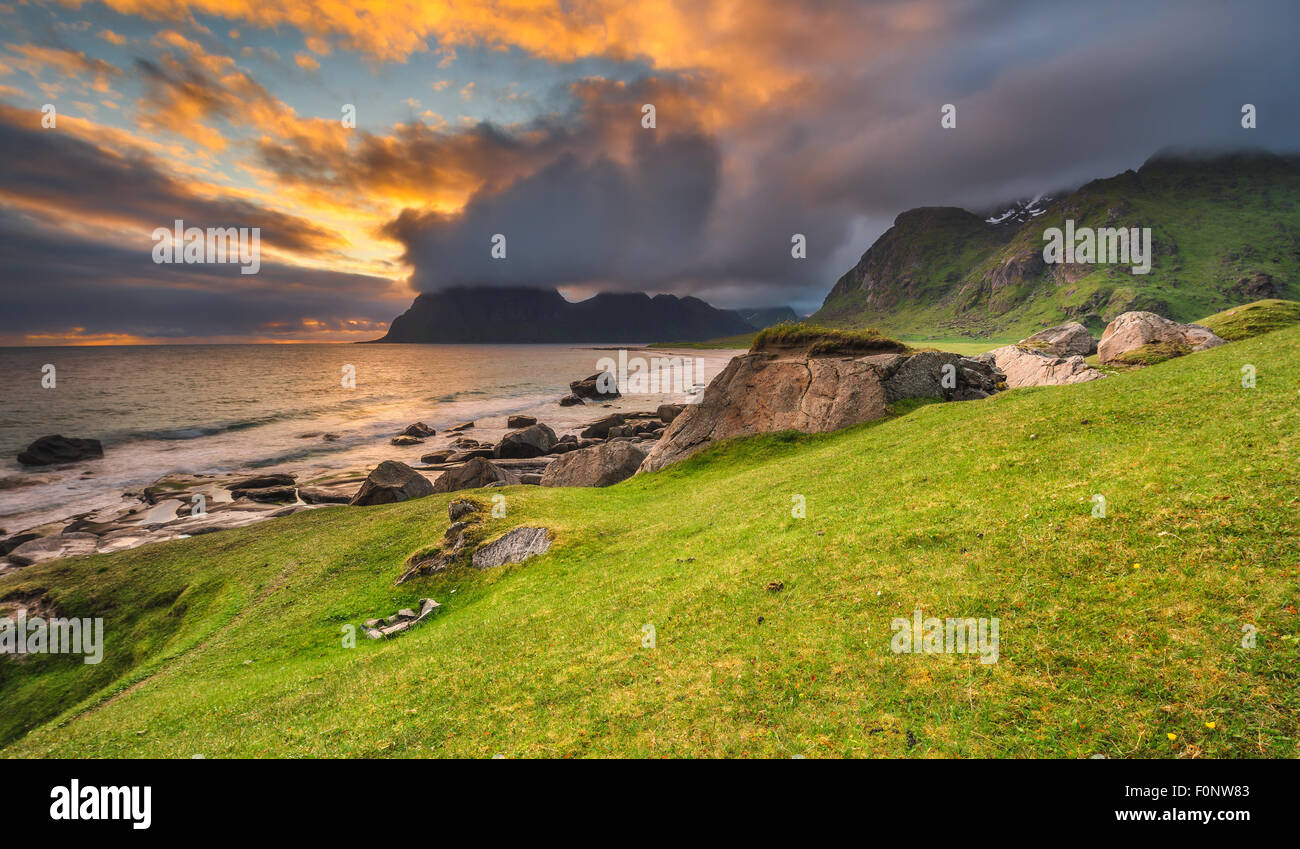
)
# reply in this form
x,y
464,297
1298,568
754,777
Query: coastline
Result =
x,y
186,498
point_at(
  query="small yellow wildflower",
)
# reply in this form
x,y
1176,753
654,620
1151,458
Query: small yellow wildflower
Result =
x,y
1172,736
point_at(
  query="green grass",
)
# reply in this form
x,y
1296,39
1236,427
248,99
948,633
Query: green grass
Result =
x,y
1253,319
1115,632
816,340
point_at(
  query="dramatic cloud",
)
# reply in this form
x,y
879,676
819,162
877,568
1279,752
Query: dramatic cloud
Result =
x,y
817,119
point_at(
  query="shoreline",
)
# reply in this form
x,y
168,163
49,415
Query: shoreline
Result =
x,y
186,500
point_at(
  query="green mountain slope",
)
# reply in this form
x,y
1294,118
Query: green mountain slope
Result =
x,y
1224,231
1115,632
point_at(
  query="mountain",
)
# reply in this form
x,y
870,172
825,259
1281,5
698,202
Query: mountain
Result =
x,y
761,317
518,315
1225,231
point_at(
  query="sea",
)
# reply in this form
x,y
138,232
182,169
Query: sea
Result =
x,y
201,409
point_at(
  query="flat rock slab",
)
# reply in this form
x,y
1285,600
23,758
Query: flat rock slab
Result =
x,y
512,547
54,547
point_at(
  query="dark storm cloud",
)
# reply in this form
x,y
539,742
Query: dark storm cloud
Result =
x,y
1047,97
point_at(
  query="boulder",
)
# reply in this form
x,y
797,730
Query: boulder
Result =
x,y
323,495
520,421
600,465
437,456
420,430
512,547
390,482
602,386
261,481
1028,367
49,450
599,429
476,473
571,401
667,412
470,454
763,392
403,441
1132,330
267,494
1063,340
54,547
458,428
532,441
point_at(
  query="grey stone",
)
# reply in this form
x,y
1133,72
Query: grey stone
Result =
x,y
600,465
512,547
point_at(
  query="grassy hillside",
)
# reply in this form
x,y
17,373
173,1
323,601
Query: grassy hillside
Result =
x,y
1224,231
1253,319
1120,636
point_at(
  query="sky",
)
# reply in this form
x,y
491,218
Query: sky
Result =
x,y
526,118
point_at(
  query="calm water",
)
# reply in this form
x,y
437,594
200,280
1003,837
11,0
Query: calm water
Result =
x,y
219,408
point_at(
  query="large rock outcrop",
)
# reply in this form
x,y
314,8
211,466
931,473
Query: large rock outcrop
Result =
x,y
1028,367
600,465
762,392
1133,330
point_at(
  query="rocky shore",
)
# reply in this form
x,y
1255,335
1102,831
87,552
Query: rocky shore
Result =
x,y
812,388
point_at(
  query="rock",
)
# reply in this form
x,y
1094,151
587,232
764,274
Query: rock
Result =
x,y
763,392
1063,340
267,494
760,393
571,401
520,421
390,482
1132,330
599,429
512,547
420,430
460,507
532,441
462,426
402,620
49,450
437,456
474,474
403,441
54,547
667,412
261,482
462,456
323,495
601,386
600,465
331,437
1030,368
8,545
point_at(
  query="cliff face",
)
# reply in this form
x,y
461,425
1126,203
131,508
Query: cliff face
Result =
x,y
1225,231
522,315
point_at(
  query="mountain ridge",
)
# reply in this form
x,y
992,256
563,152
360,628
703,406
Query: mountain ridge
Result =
x,y
508,315
1225,227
